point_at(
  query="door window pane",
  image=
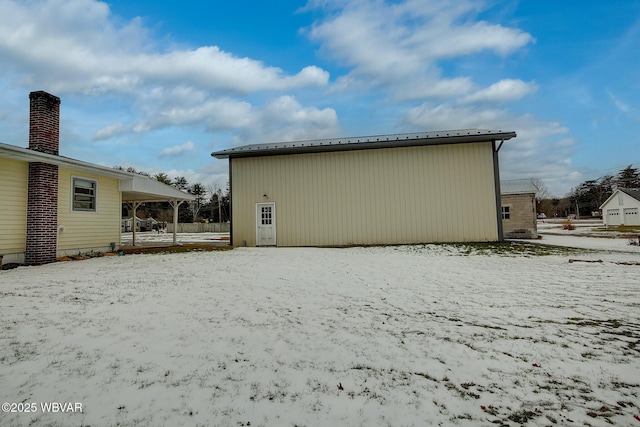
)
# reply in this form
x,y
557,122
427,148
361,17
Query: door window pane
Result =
x,y
266,215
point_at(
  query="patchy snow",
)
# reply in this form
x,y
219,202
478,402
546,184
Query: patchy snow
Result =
x,y
587,234
403,336
149,238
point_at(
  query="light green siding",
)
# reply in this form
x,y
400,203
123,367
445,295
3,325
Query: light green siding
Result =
x,y
442,193
83,231
13,213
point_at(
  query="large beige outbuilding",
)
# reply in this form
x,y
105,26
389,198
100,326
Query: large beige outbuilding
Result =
x,y
385,189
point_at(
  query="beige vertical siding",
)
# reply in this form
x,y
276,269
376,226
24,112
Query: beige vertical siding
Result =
x,y
441,193
85,231
14,177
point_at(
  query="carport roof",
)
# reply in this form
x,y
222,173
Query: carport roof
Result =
x,y
366,142
140,188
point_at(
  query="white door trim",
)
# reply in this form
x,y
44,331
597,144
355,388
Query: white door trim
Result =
x,y
266,224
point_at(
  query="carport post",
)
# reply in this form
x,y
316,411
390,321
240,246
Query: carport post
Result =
x,y
175,204
133,222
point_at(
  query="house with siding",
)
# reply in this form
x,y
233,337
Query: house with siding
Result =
x,y
622,208
384,189
518,209
54,205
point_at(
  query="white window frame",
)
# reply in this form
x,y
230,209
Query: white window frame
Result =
x,y
94,182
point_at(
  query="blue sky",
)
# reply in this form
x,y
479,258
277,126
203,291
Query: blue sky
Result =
x,y
159,85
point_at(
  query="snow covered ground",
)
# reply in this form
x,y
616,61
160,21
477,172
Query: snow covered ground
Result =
x,y
150,238
400,336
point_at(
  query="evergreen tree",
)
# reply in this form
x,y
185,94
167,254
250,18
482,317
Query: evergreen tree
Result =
x,y
181,183
163,177
628,177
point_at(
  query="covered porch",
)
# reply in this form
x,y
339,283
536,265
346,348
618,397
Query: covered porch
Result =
x,y
141,189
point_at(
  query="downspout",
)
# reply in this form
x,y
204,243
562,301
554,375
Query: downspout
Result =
x,y
496,179
230,204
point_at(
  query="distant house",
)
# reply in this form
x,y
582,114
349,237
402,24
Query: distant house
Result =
x,y
518,209
142,224
622,208
385,189
54,205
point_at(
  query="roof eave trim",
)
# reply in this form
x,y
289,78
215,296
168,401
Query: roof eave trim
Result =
x,y
416,142
29,155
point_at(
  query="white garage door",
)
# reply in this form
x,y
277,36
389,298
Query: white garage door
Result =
x,y
631,216
613,217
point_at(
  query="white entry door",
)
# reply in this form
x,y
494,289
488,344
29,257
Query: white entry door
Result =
x,y
266,224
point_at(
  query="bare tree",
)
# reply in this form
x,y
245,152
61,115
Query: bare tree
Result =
x,y
200,192
543,190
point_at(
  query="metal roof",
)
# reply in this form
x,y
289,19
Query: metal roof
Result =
x,y
518,186
366,142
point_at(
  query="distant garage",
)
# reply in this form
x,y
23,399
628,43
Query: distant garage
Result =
x,y
622,208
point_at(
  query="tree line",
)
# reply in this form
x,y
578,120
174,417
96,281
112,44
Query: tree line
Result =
x,y
211,203
586,198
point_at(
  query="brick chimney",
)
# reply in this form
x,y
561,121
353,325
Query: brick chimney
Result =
x,y
42,201
44,122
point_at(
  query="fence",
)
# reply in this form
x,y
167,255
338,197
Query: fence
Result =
x,y
200,227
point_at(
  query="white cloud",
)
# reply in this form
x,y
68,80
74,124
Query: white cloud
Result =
x,y
75,47
79,47
541,150
443,116
398,45
184,106
209,67
111,131
619,104
285,119
506,90
177,149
